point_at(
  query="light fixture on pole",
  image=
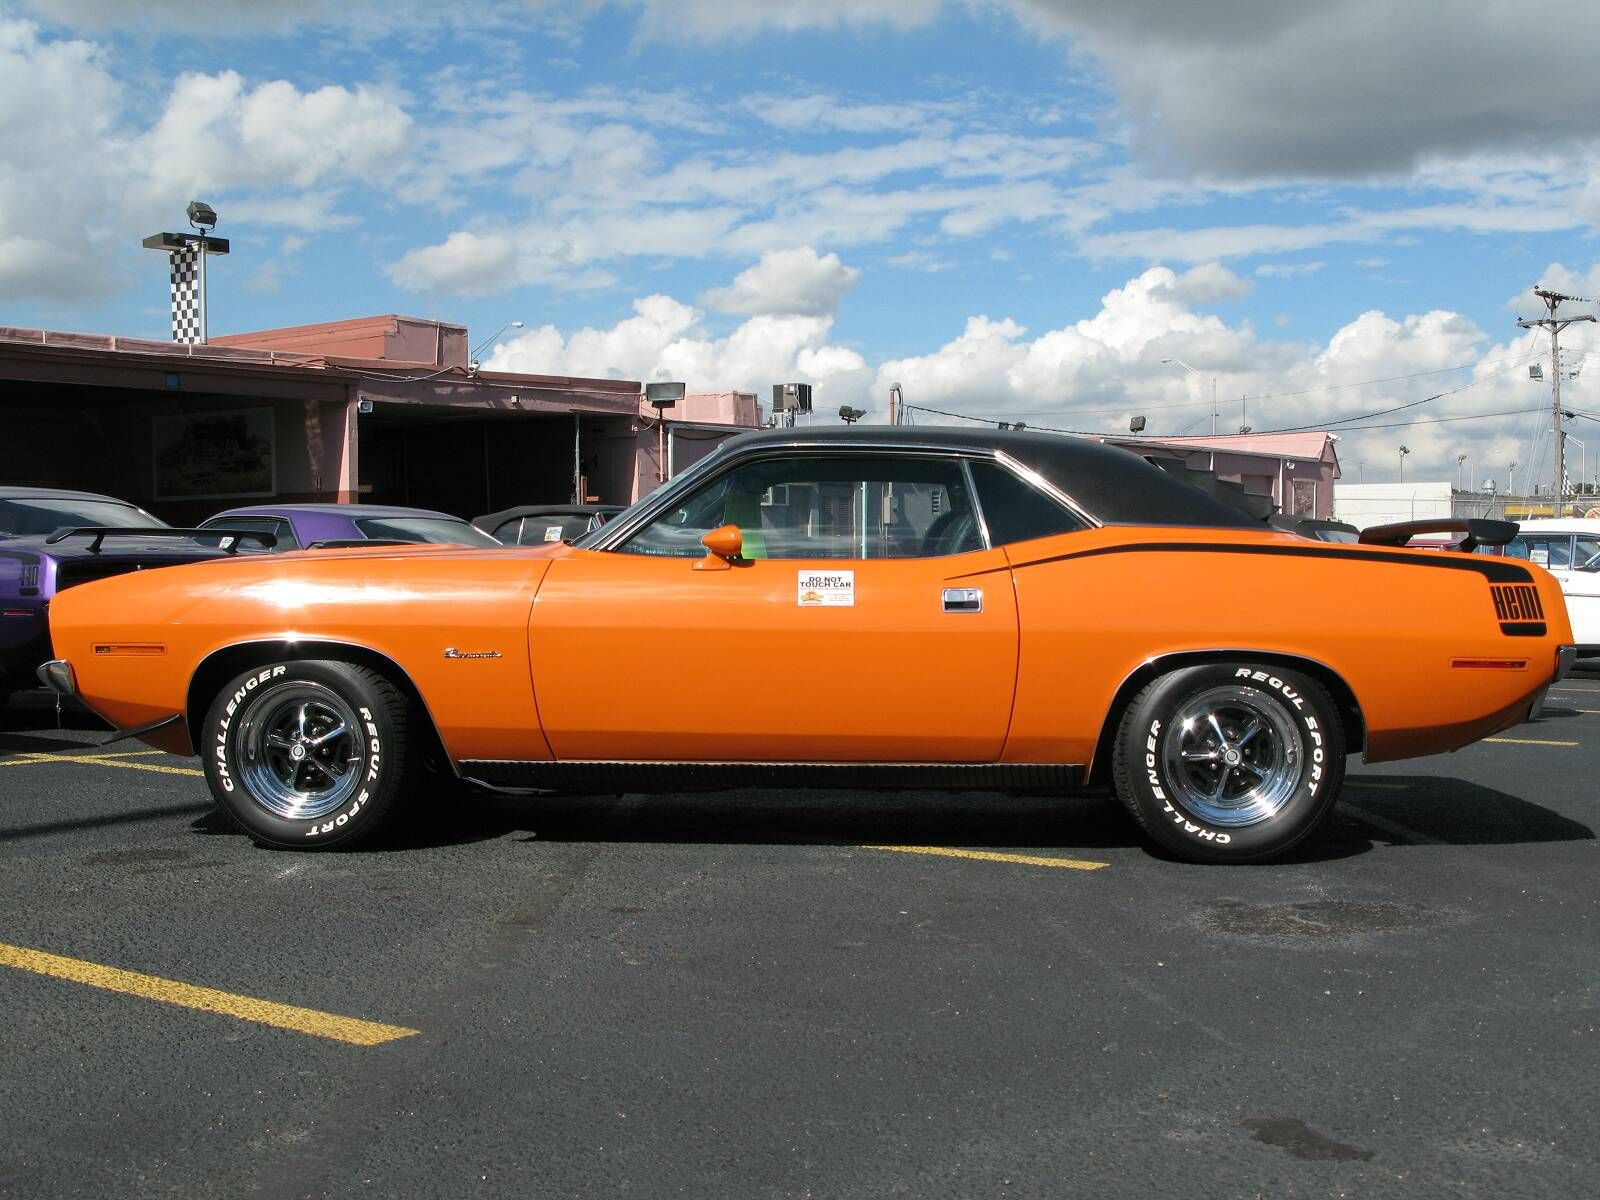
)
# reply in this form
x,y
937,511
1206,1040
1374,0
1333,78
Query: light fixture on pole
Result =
x,y
472,358
662,396
187,253
1404,450
1202,375
851,415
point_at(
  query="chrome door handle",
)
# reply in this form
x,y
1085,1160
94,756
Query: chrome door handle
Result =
x,y
963,600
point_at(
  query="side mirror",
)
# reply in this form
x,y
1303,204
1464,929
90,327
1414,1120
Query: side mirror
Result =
x,y
725,543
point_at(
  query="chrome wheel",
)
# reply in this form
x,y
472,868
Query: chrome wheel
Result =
x,y
1232,756
301,750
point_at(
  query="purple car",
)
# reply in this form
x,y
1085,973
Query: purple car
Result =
x,y
52,539
309,526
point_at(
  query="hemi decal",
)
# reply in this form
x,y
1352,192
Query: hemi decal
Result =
x,y
1517,602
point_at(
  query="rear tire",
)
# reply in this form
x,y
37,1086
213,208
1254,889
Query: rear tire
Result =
x,y
308,754
1230,762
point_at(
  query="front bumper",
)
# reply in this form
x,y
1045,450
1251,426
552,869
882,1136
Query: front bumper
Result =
x,y
58,676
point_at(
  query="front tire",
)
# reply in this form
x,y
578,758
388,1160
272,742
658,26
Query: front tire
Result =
x,y
307,754
1230,762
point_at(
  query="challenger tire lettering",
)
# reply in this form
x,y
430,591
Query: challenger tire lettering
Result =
x,y
224,776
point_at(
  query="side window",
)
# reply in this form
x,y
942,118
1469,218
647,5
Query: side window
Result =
x,y
1587,557
834,506
1554,553
1517,547
1015,510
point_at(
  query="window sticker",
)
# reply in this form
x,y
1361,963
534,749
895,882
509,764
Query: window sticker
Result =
x,y
1539,555
552,533
827,589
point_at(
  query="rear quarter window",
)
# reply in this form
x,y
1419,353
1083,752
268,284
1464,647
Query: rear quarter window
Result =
x,y
1015,510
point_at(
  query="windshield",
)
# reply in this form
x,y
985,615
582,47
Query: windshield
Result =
x,y
32,518
444,531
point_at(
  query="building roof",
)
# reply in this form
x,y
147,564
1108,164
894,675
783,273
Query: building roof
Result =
x,y
1313,445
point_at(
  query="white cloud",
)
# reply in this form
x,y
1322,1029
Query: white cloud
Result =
x,y
1295,270
1338,88
60,152
797,281
217,133
713,20
664,339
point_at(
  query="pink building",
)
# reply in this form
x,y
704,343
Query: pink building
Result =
x,y
385,409
1296,469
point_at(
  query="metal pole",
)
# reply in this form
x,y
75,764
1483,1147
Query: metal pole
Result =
x,y
1555,394
1213,406
577,459
202,242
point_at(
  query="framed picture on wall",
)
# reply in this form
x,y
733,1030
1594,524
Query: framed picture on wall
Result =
x,y
215,456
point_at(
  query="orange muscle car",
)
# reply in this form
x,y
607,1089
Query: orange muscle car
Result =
x,y
854,607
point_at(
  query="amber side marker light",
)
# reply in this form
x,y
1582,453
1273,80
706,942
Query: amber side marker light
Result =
x,y
1490,664
129,648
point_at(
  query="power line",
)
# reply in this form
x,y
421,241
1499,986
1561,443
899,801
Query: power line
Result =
x,y
1384,412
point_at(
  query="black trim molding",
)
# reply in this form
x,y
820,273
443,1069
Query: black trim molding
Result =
x,y
1496,570
691,776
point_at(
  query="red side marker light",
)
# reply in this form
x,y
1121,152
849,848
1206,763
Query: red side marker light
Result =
x,y
1490,664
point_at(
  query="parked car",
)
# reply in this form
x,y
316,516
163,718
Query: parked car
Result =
x,y
52,539
531,525
1569,548
310,526
850,607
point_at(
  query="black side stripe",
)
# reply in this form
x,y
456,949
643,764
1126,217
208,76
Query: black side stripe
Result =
x,y
1496,570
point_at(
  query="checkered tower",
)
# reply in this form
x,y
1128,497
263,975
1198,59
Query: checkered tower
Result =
x,y
186,293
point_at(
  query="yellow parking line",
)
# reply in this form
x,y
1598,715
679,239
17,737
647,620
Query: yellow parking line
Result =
x,y
98,760
246,1008
1029,860
1528,742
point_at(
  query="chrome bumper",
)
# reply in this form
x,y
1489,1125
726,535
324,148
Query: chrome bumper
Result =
x,y
58,677
1566,656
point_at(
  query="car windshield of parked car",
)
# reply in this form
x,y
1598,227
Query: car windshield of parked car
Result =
x,y
553,527
437,530
35,517
1551,551
856,506
278,527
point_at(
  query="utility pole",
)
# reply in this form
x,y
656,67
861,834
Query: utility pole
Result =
x,y
1555,325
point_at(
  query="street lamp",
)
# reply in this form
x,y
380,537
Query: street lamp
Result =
x,y
1202,375
472,358
1404,450
187,253
1464,458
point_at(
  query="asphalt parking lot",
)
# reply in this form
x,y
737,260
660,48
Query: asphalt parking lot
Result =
x,y
751,994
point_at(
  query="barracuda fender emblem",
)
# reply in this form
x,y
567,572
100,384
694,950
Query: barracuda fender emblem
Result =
x,y
452,652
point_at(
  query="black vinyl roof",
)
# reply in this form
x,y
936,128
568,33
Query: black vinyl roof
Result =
x,y
1114,485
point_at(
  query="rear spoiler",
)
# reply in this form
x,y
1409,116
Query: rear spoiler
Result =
x,y
227,539
1479,531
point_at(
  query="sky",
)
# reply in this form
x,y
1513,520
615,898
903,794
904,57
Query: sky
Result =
x,y
1333,212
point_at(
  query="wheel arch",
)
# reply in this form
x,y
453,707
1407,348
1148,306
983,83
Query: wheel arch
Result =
x,y
1343,696
225,662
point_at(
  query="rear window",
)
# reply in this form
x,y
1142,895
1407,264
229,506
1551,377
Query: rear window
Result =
x,y
1015,510
444,531
277,526
31,518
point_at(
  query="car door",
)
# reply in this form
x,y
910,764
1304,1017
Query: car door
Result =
x,y
849,632
1582,589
